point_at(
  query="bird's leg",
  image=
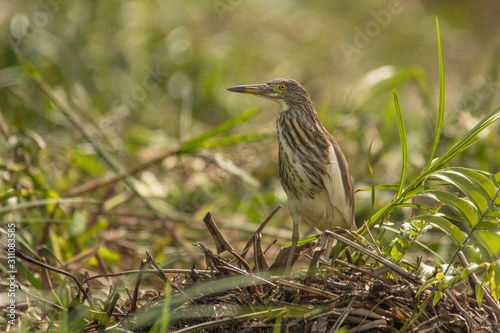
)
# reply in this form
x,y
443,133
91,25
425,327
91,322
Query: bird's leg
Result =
x,y
295,240
328,245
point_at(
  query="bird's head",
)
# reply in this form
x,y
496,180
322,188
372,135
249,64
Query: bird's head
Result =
x,y
284,91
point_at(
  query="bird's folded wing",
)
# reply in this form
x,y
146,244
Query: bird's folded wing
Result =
x,y
339,187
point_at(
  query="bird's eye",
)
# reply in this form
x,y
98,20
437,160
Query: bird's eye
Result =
x,y
282,87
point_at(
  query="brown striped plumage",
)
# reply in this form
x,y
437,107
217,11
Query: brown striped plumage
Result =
x,y
312,168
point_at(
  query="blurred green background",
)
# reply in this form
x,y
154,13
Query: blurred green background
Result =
x,y
145,76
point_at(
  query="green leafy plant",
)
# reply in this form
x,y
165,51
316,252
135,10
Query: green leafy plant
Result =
x,y
463,201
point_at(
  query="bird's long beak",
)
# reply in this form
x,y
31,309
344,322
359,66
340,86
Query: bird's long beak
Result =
x,y
254,89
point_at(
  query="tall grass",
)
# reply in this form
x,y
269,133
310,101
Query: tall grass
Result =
x,y
464,201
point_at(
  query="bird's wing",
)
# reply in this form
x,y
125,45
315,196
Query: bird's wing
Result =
x,y
338,184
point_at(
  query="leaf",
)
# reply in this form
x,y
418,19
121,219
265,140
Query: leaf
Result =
x,y
404,146
462,206
476,252
42,202
427,284
490,223
479,294
397,251
471,268
414,192
408,234
52,207
165,313
86,162
109,256
414,206
465,141
369,162
277,324
89,235
422,245
231,140
485,182
447,281
424,270
438,221
495,286
392,187
230,167
437,297
222,128
439,124
28,275
470,189
77,224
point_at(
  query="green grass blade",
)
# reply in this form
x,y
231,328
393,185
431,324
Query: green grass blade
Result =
x,y
481,180
35,283
479,293
391,187
373,181
462,206
231,168
427,284
382,213
438,221
468,188
404,146
495,286
415,191
164,319
234,139
439,125
222,128
43,202
277,324
388,208
395,203
205,288
465,141
414,206
422,245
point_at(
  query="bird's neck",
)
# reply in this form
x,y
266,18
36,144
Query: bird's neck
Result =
x,y
298,110
283,104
